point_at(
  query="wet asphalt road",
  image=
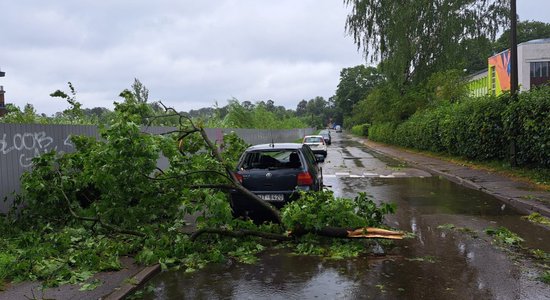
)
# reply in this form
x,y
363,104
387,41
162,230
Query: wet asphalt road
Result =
x,y
437,264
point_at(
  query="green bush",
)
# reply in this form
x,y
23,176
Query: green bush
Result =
x,y
478,128
528,120
383,132
360,130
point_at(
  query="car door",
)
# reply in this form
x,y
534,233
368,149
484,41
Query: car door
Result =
x,y
313,167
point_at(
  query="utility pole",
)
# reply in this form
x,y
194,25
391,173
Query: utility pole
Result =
x,y
513,74
2,104
513,50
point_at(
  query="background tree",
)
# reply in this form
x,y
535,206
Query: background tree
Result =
x,y
301,108
26,116
355,84
413,39
449,86
74,112
140,92
475,54
316,112
248,105
526,31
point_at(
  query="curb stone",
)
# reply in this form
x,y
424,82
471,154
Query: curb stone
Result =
x,y
133,283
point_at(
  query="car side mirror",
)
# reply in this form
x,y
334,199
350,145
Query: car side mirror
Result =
x,y
319,158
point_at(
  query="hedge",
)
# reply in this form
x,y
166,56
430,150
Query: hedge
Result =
x,y
361,129
478,128
529,119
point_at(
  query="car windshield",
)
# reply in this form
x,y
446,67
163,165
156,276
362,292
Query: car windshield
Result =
x,y
271,159
312,139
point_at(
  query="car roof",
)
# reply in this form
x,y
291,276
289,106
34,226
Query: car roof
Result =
x,y
317,135
275,146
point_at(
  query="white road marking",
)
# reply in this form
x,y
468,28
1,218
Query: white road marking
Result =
x,y
368,174
364,175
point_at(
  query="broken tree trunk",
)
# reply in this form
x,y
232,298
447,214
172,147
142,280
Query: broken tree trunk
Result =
x,y
333,232
364,232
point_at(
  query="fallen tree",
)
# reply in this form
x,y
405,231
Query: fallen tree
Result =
x,y
108,198
188,127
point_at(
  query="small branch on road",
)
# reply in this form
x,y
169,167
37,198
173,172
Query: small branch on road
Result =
x,y
240,233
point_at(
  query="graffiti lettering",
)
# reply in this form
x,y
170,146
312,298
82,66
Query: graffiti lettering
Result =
x,y
68,141
29,145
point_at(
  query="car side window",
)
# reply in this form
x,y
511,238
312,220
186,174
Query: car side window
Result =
x,y
310,157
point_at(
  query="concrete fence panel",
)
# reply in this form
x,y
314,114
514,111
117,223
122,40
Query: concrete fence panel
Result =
x,y
20,143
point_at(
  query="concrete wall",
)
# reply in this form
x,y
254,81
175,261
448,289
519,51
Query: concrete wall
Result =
x,y
528,52
19,143
532,51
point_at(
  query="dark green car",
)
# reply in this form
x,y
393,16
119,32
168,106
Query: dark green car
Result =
x,y
275,173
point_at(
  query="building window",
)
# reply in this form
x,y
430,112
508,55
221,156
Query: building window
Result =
x,y
540,73
493,80
540,69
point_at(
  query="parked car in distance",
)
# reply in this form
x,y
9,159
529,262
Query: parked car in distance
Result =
x,y
275,173
316,143
338,128
326,135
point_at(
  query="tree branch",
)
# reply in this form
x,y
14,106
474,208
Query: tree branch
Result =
x,y
240,233
189,173
98,220
333,232
216,153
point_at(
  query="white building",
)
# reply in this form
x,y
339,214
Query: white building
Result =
x,y
533,69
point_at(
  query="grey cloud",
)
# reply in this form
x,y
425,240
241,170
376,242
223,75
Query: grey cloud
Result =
x,y
189,54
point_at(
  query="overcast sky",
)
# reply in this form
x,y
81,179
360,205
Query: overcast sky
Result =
x,y
189,54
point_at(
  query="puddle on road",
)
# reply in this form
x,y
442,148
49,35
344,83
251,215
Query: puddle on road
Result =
x,y
357,161
282,275
434,197
390,162
437,264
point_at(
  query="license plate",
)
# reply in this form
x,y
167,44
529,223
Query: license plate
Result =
x,y
272,197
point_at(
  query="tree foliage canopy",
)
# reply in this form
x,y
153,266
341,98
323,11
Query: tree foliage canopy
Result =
x,y
413,39
526,31
355,84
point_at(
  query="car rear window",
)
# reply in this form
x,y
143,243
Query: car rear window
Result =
x,y
313,139
271,159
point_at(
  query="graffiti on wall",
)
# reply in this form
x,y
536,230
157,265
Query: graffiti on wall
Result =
x,y
28,145
501,63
